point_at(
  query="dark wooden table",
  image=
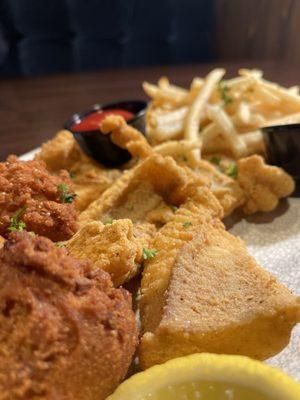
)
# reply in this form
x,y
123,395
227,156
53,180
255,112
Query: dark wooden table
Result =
x,y
32,110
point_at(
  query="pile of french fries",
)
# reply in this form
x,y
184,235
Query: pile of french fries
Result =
x,y
217,116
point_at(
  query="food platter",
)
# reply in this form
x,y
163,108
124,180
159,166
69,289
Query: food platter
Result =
x,y
171,228
274,241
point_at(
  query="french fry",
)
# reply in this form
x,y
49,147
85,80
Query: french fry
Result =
x,y
165,125
197,110
169,93
229,118
227,129
175,148
287,119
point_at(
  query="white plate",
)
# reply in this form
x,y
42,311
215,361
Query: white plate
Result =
x,y
274,240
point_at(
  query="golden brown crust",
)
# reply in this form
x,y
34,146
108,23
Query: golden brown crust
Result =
x,y
66,333
27,186
114,247
90,179
203,292
262,184
126,137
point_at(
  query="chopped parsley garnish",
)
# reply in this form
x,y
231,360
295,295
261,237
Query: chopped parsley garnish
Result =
x,y
174,208
72,174
130,208
147,253
108,221
16,224
65,195
186,224
60,244
232,171
215,160
223,91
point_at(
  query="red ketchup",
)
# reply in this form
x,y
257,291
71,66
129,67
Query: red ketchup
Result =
x,y
92,121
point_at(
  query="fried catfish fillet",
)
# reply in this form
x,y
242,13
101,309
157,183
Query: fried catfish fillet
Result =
x,y
90,179
112,247
227,190
147,194
262,184
203,292
258,187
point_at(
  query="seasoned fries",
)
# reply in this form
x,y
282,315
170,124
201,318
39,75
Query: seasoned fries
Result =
x,y
221,116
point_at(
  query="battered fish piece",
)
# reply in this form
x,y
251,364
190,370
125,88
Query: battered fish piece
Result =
x,y
65,331
258,187
227,190
112,247
264,185
33,199
203,292
89,178
147,194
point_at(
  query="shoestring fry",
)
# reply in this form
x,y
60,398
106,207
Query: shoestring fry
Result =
x,y
217,115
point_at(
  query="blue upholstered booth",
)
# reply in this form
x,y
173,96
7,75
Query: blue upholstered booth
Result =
x,y
48,36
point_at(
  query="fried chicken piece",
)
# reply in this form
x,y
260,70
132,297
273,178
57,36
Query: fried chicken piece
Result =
x,y
89,178
65,331
203,292
262,184
112,247
32,198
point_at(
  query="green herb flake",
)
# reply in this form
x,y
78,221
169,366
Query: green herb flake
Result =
x,y
148,254
215,160
72,174
186,224
224,93
108,221
174,208
60,244
232,171
16,224
130,208
65,195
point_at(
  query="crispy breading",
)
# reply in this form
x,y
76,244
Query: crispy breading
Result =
x,y
89,178
66,332
38,200
262,184
61,152
203,292
112,247
202,207
227,190
258,188
125,136
153,184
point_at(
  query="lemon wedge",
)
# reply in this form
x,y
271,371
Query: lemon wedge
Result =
x,y
209,377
